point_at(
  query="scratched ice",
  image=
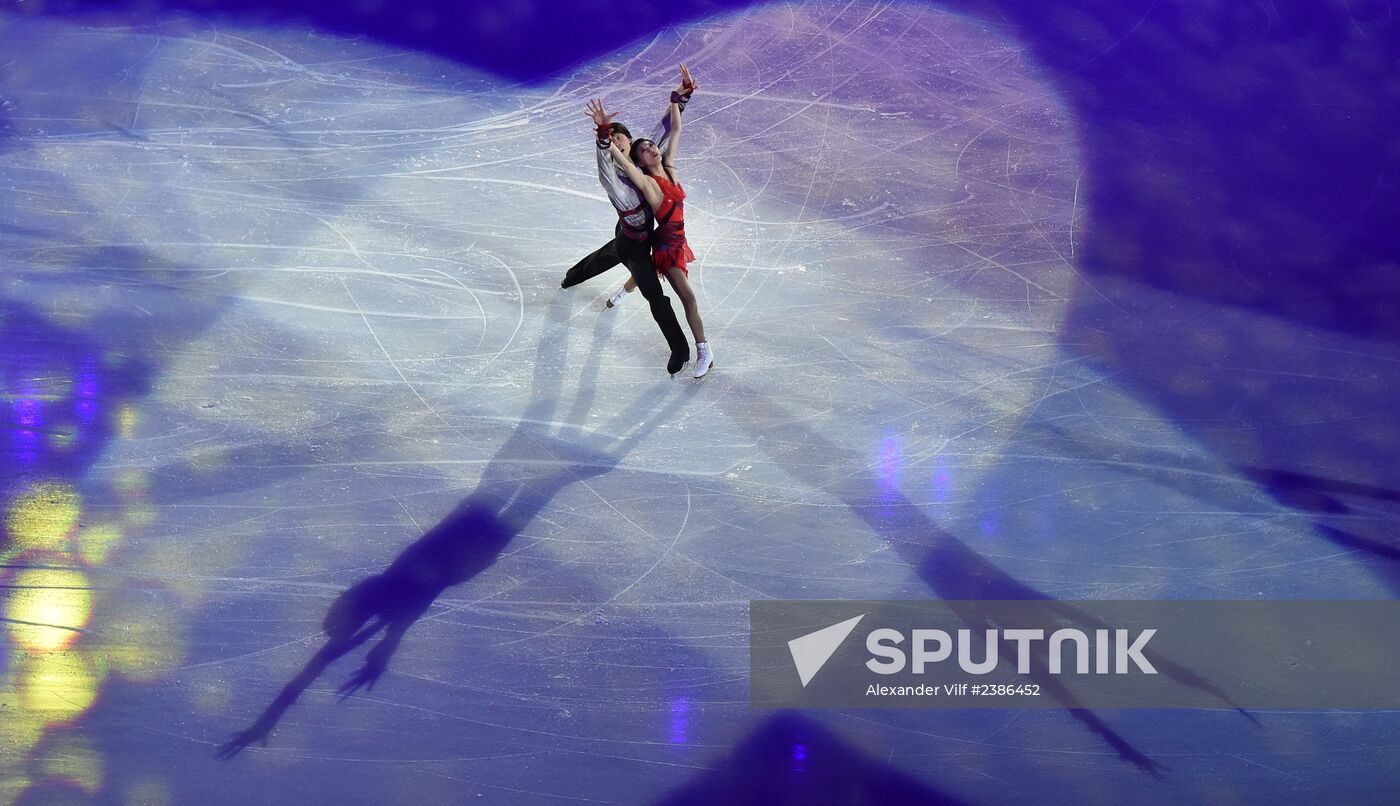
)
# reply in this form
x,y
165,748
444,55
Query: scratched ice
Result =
x,y
281,314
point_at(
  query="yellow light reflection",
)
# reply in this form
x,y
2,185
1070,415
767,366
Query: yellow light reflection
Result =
x,y
47,608
96,542
58,687
131,483
140,515
126,419
140,640
20,730
72,760
12,785
42,517
185,569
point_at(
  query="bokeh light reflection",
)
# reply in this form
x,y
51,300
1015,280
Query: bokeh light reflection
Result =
x,y
47,609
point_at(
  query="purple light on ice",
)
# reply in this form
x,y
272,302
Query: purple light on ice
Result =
x,y
86,386
799,758
87,389
680,721
28,418
942,485
29,412
87,411
891,461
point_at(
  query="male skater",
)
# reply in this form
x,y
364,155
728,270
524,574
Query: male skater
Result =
x,y
631,244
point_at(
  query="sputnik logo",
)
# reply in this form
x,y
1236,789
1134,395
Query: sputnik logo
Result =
x,y
811,652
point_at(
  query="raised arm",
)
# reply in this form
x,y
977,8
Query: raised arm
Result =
x,y
673,142
679,97
648,187
619,192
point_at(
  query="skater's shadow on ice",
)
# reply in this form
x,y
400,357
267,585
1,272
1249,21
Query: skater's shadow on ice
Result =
x,y
540,458
953,570
1309,493
790,759
1322,500
1355,516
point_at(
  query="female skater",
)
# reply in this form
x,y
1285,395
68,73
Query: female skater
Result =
x,y
653,172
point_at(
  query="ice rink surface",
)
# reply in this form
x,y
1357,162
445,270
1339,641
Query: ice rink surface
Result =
x,y
283,346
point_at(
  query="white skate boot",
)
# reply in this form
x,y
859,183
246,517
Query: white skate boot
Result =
x,y
704,358
615,299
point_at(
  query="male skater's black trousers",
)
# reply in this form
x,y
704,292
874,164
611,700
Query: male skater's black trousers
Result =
x,y
636,256
604,258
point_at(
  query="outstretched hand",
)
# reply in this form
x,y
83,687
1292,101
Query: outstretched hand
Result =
x,y
238,741
687,85
364,678
601,117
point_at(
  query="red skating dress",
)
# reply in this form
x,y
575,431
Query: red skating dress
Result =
x,y
669,247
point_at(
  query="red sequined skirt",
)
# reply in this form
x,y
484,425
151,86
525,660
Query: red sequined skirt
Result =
x,y
671,250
